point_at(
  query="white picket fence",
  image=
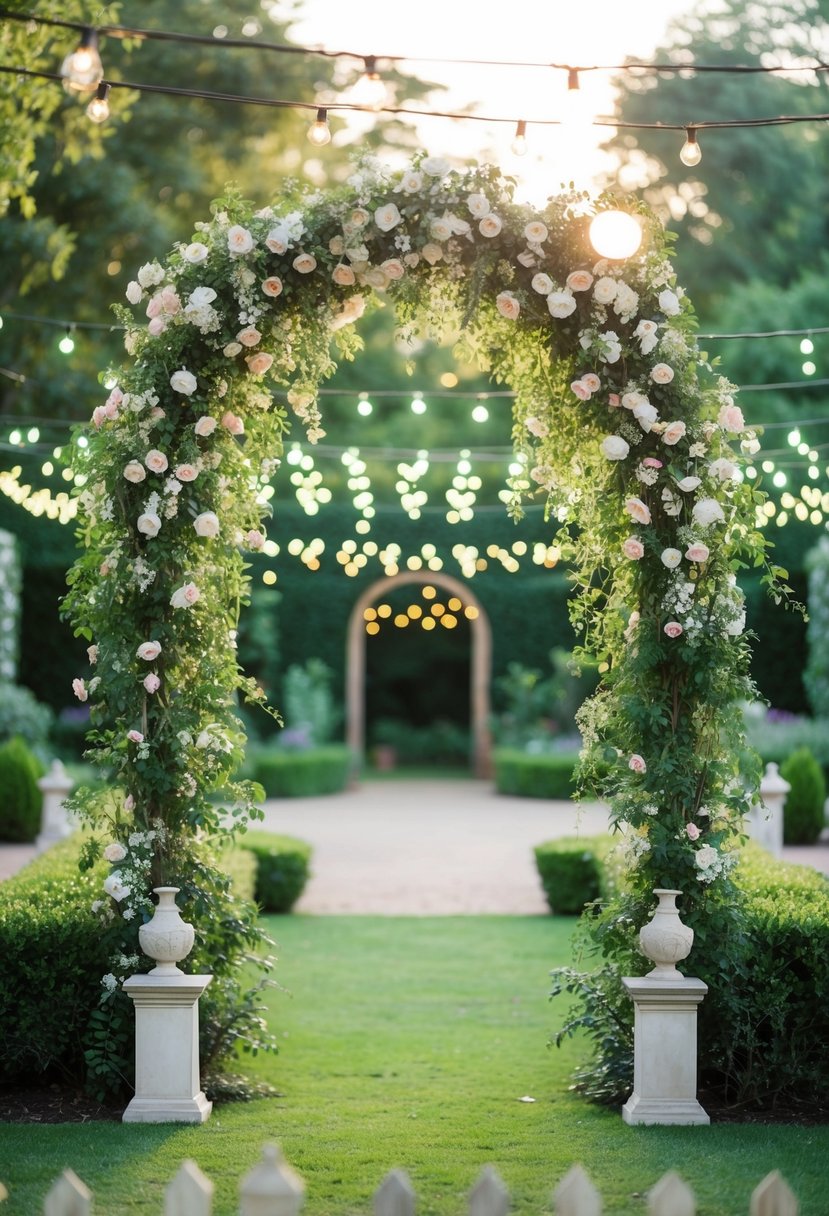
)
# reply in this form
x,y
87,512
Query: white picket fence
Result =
x,y
272,1188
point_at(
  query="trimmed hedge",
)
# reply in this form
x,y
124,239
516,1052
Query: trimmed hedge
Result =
x,y
51,962
572,871
320,770
803,812
282,868
21,801
547,775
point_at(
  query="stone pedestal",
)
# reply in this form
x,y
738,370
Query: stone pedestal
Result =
x,y
665,1051
765,820
54,822
167,1084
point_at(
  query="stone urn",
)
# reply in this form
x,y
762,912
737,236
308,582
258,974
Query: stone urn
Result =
x,y
664,939
166,938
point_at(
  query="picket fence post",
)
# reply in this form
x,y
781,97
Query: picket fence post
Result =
x,y
271,1188
671,1197
190,1193
576,1195
68,1197
773,1197
489,1196
395,1195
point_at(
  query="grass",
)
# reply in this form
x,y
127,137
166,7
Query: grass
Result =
x,y
410,1042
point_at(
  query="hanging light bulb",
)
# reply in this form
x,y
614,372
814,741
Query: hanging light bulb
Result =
x,y
519,142
573,80
98,108
615,234
691,153
319,133
82,69
370,89
67,342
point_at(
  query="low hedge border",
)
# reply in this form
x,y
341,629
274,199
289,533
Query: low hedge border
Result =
x,y
547,775
282,868
303,774
573,871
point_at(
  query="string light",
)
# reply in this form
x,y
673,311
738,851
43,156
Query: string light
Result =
x,y
615,234
691,153
82,69
573,80
67,342
319,134
98,109
369,91
519,141
418,404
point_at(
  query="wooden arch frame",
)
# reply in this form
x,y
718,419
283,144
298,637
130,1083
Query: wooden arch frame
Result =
x,y
480,665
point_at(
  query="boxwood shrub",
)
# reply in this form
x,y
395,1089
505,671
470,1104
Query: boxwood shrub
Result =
x,y
20,798
302,774
803,813
572,871
546,775
282,868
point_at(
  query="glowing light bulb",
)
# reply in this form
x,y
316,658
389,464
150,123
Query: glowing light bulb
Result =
x,y
67,343
807,346
519,142
370,89
320,134
98,108
691,152
82,69
615,234
364,406
418,405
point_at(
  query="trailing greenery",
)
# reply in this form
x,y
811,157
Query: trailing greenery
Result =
x,y
544,775
282,868
804,815
20,798
572,872
766,1015
302,774
816,675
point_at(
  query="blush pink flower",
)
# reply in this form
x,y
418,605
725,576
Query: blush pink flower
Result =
x,y
581,390
638,510
673,432
272,286
233,423
731,419
633,548
205,426
149,651
186,472
507,305
343,275
637,764
135,736
650,462
697,552
692,831
249,336
580,280
254,539
80,690
156,461
662,373
259,363
673,629
151,682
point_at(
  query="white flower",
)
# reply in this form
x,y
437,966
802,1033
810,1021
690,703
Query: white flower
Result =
x,y
239,240
134,471
662,373
707,512
115,886
735,626
507,305
542,283
490,225
149,651
688,484
646,332
561,303
750,446
478,205
669,302
278,240
615,448
134,293
610,347
387,217
201,297
149,524
195,253
644,413
411,181
185,596
150,274
670,558
537,427
114,852
536,232
706,856
722,469
435,166
207,524
109,982
604,290
626,302
184,382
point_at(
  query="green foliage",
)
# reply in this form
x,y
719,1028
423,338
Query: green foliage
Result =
x,y
52,957
23,715
439,742
10,578
803,814
763,953
282,867
302,774
20,798
311,717
536,707
530,775
816,676
775,736
571,871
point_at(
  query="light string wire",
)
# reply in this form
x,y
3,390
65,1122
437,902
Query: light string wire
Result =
x,y
122,32
776,120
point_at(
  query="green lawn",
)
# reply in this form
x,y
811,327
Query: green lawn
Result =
x,y
409,1042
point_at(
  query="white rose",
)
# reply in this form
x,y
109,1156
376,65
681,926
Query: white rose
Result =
x,y
440,228
736,625
201,297
114,852
542,283
561,303
707,512
750,446
207,524
669,302
277,240
134,471
478,205
205,426
134,292
611,347
149,524
185,596
722,469
150,274
671,558
387,217
195,253
688,484
435,166
490,225
706,856
507,305
614,447
536,232
662,373
184,382
116,888
645,414
239,240
411,182
604,290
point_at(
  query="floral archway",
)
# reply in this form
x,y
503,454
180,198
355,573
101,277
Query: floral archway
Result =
x,y
627,432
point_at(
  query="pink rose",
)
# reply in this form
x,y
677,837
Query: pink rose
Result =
x,y
637,764
490,226
692,831
580,280
661,373
591,381
343,275
185,596
151,682
432,253
633,548
507,305
187,472
304,263
114,852
581,390
673,432
254,539
697,552
170,301
80,690
614,400
673,629
233,423
129,803
393,268
156,326
731,419
149,651
249,336
205,426
272,286
638,510
258,364
155,307
99,416
135,736
650,462
134,472
156,461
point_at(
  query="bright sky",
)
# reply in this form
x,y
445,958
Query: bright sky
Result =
x,y
544,31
